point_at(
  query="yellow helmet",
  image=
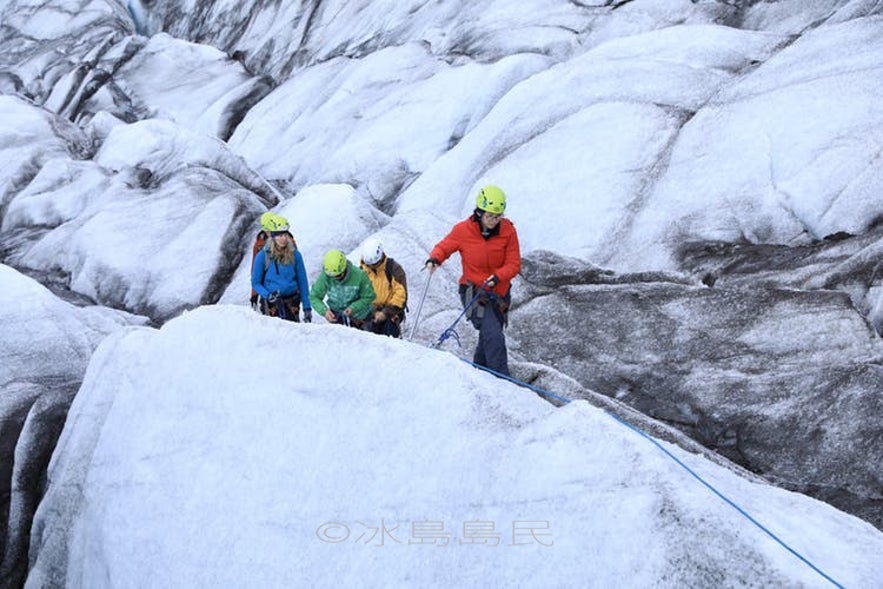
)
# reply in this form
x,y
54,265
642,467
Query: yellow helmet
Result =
x,y
266,220
334,263
277,224
491,199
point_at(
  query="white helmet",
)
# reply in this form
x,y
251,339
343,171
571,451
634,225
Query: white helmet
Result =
x,y
372,251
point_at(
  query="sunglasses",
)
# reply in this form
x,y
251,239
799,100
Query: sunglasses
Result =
x,y
278,233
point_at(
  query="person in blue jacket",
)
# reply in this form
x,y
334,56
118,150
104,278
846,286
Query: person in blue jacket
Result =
x,y
279,277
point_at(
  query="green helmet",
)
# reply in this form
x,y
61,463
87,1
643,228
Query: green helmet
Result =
x,y
277,224
266,220
335,263
491,199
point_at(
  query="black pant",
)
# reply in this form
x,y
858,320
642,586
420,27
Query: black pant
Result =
x,y
388,326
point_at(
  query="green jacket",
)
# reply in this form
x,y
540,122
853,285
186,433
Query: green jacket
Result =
x,y
354,291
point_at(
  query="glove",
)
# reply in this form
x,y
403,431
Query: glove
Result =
x,y
308,315
431,264
492,281
274,296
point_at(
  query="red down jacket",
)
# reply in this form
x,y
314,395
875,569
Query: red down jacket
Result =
x,y
499,254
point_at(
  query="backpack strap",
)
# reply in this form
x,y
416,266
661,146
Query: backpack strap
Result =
x,y
388,268
395,270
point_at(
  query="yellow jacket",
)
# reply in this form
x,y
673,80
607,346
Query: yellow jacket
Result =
x,y
390,291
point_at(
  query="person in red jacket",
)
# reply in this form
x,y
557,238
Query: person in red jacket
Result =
x,y
489,252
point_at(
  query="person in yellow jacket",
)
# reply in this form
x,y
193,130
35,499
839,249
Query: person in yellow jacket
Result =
x,y
390,287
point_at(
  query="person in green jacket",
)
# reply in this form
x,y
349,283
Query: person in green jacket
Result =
x,y
343,292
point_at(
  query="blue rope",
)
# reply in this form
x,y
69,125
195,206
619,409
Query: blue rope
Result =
x,y
656,443
537,390
450,331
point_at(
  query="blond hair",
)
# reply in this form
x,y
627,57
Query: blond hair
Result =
x,y
281,253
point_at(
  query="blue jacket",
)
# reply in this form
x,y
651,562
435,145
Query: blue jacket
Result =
x,y
286,278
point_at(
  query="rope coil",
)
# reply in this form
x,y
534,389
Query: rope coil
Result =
x,y
450,331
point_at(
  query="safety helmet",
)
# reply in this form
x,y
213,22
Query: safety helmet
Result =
x,y
372,251
266,219
277,224
334,263
491,199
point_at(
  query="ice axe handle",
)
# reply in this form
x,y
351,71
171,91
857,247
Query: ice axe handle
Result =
x,y
420,307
